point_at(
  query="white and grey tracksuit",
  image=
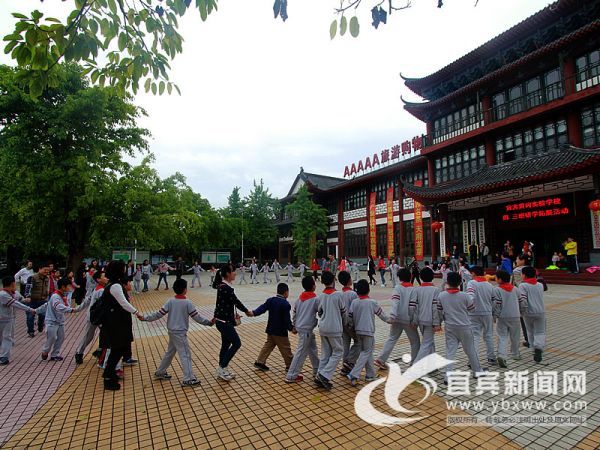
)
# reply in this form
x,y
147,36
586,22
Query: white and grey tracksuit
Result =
x,y
265,271
137,281
253,272
354,270
275,267
178,323
394,270
351,350
304,319
243,274
508,324
55,310
403,315
302,268
531,298
90,329
483,295
332,319
197,269
362,313
9,301
453,307
426,293
290,273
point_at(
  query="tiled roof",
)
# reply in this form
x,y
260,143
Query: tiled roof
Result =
x,y
322,182
567,161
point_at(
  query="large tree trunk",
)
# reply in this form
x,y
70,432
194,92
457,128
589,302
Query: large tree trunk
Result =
x,y
77,235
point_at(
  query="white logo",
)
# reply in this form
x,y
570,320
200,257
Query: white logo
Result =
x,y
396,383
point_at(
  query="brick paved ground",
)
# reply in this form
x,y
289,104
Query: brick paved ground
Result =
x,y
47,405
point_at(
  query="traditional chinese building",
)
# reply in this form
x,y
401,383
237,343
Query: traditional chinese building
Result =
x,y
511,152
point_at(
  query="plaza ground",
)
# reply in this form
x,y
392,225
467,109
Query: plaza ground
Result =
x,y
61,405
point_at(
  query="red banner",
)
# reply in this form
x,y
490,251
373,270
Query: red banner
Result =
x,y
373,225
390,222
418,227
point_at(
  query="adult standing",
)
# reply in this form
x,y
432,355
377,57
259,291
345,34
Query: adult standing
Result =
x,y
23,275
333,265
146,274
473,250
571,249
225,316
179,267
116,331
130,270
455,258
371,270
509,248
80,281
382,268
163,271
484,251
315,269
37,290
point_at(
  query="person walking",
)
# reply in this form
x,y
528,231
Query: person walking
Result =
x,y
473,252
484,252
455,258
371,270
571,249
382,268
37,290
146,274
179,268
163,271
23,275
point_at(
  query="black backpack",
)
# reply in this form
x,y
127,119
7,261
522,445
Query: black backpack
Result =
x,y
100,310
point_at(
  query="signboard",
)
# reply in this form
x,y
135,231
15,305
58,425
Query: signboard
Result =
x,y
223,257
465,235
442,234
123,255
390,222
536,209
595,228
372,224
481,230
209,258
418,224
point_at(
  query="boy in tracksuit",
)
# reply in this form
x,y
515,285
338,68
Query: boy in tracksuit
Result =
x,y
403,316
483,295
275,267
332,320
425,295
466,276
55,311
304,321
90,329
351,349
265,271
362,313
508,316
179,309
453,306
394,267
278,326
253,272
531,298
290,273
197,269
242,274
10,300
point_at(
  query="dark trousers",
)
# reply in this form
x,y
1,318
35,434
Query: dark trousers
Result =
x,y
230,343
316,275
415,277
473,259
31,317
524,329
178,274
372,279
145,280
484,261
572,263
162,276
111,363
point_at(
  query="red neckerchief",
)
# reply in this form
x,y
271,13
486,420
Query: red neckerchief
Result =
x,y
329,290
306,296
508,287
452,290
480,279
530,280
425,283
363,297
99,286
406,284
62,296
346,289
180,296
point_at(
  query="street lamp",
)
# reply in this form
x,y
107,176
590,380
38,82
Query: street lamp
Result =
x,y
242,236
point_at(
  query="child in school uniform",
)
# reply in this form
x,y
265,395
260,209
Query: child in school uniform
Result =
x,y
197,269
362,313
90,329
10,300
332,320
507,315
278,326
304,321
243,274
531,298
290,272
351,348
445,269
265,271
403,316
465,273
137,279
425,295
179,310
483,295
453,306
55,310
253,272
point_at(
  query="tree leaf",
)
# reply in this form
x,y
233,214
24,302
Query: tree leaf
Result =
x,y
122,41
36,87
154,88
354,26
19,16
147,84
333,29
161,88
343,25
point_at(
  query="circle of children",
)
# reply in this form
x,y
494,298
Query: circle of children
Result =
x,y
469,307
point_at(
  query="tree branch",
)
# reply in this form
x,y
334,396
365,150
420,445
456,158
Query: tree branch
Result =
x,y
342,9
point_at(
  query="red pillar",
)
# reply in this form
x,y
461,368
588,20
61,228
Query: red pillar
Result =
x,y
340,233
486,106
434,238
490,151
429,125
401,224
568,73
574,128
431,171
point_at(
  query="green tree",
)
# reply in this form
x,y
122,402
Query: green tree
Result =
x,y
309,223
60,157
261,210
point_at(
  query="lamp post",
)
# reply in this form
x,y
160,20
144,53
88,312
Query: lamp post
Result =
x,y
242,236
135,252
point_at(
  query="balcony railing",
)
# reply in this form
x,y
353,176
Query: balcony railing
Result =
x,y
528,101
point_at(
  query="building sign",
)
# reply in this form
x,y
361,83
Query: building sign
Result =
x,y
418,224
390,222
481,229
535,209
373,224
442,234
465,234
386,156
595,228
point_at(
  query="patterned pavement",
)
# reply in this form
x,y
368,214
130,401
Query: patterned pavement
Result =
x,y
60,405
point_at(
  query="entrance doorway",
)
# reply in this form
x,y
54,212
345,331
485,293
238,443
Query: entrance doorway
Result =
x,y
547,239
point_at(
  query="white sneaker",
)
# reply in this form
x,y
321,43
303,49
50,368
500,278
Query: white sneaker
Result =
x,y
222,374
230,373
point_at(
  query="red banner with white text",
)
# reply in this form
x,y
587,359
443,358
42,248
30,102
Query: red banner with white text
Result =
x,y
390,222
418,227
373,224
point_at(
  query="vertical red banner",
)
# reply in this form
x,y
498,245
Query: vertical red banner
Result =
x,y
418,227
390,222
373,224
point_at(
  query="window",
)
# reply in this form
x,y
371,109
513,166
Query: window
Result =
x,y
590,124
588,70
381,190
553,83
332,207
544,138
498,103
422,175
534,95
456,123
515,100
459,164
355,242
409,239
356,199
382,240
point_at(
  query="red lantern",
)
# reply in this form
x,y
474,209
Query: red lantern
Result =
x,y
594,205
436,226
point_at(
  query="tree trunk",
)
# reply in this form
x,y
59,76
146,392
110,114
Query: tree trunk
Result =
x,y
77,235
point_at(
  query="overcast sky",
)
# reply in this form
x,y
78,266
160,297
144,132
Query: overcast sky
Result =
x,y
260,97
